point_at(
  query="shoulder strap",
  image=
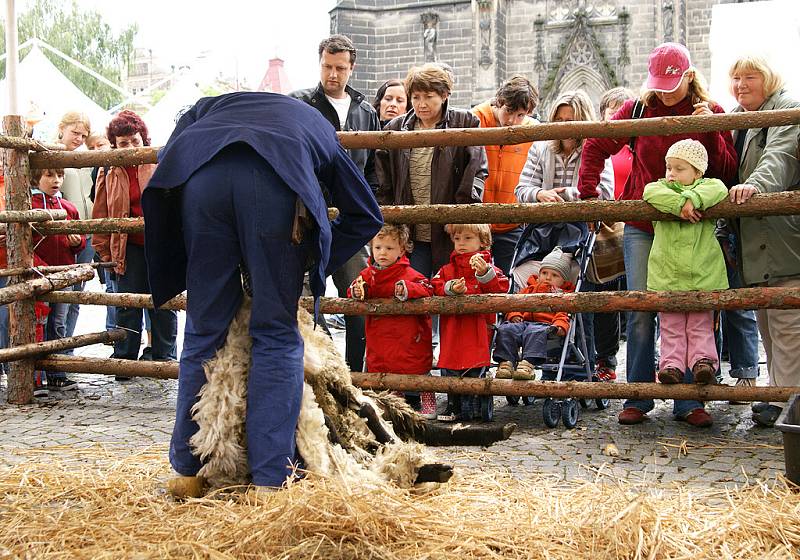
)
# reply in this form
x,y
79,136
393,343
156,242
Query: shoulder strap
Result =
x,y
638,111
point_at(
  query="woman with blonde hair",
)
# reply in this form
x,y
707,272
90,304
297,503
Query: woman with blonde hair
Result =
x,y
768,247
73,130
673,88
551,170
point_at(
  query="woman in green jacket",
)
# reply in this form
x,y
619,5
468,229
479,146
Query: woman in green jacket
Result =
x,y
686,256
769,246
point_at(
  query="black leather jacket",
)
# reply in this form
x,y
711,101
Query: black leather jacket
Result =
x,y
361,116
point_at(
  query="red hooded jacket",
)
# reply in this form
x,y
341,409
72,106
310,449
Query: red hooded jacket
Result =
x,y
558,319
55,250
465,339
397,343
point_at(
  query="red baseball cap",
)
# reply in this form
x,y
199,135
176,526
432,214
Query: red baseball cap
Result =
x,y
668,63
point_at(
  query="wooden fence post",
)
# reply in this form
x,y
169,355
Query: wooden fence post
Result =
x,y
22,328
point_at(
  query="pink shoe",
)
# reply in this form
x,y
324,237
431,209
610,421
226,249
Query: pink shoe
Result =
x,y
428,410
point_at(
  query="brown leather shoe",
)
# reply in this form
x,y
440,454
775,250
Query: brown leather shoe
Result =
x,y
670,376
704,372
698,418
631,415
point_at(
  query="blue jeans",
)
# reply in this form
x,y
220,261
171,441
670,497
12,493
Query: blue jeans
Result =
x,y
111,288
85,256
164,321
4,342
55,329
740,332
503,245
237,210
640,361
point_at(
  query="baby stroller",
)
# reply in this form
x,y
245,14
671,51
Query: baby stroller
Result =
x,y
568,358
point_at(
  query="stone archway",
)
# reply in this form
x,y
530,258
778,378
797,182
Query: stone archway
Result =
x,y
587,79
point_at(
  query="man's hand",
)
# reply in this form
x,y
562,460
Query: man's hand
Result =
x,y
478,264
550,196
689,213
74,239
741,193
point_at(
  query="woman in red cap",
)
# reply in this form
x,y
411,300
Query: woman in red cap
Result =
x,y
673,88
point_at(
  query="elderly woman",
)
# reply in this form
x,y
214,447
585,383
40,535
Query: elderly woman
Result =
x,y
444,175
769,247
673,88
119,195
390,101
73,130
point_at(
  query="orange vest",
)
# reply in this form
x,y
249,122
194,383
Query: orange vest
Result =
x,y
505,165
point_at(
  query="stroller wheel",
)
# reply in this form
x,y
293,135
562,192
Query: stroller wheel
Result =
x,y
487,408
602,404
551,412
527,401
569,413
513,401
584,403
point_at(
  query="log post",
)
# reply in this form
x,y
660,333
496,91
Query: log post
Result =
x,y
38,215
586,302
24,289
48,347
51,269
22,329
397,382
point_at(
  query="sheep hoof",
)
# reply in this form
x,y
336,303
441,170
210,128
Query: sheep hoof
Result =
x,y
434,472
183,487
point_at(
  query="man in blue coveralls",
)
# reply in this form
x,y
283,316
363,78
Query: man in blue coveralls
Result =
x,y
233,185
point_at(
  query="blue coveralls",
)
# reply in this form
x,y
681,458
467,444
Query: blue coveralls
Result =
x,y
224,194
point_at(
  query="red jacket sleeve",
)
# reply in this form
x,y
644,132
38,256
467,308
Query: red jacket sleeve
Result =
x,y
723,163
440,280
418,287
497,285
595,153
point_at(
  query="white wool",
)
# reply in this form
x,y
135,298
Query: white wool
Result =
x,y
220,414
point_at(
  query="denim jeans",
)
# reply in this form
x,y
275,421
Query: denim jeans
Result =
x,y
503,245
55,329
641,328
605,327
164,321
85,256
4,334
111,288
739,329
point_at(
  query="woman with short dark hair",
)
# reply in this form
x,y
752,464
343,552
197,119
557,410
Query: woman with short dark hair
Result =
x,y
118,195
390,101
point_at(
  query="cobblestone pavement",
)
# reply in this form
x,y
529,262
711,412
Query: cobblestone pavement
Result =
x,y
140,413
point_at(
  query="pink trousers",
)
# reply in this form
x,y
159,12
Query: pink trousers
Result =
x,y
686,338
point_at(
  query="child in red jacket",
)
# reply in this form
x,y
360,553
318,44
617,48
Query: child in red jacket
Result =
x,y
55,250
465,339
529,330
396,343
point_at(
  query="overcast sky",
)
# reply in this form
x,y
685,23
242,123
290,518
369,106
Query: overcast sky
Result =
x,y
240,34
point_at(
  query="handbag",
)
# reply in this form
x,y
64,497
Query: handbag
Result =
x,y
607,262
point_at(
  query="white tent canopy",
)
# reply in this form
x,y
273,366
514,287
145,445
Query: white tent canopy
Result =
x,y
43,89
161,118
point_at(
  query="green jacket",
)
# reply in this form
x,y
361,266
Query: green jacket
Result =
x,y
770,246
685,256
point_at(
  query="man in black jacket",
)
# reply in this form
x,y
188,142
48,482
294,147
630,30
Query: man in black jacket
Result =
x,y
346,109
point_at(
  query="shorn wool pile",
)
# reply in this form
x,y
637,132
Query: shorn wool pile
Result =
x,y
360,437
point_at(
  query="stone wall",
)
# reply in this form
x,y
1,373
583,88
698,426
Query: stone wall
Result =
x,y
486,41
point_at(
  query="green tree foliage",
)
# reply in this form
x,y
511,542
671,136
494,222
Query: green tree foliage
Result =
x,y
84,36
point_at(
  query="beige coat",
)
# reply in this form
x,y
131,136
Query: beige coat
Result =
x,y
113,200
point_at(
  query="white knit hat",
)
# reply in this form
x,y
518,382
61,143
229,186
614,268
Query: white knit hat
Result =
x,y
690,151
559,261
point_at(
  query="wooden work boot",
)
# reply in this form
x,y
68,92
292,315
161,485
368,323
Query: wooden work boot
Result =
x,y
524,371
183,487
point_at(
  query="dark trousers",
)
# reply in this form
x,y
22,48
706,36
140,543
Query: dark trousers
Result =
x,y
606,327
237,210
355,342
503,245
530,337
164,321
